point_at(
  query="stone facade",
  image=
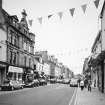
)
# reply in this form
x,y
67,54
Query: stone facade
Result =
x,y
18,45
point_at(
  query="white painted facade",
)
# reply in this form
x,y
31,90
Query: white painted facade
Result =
x,y
46,69
57,71
39,67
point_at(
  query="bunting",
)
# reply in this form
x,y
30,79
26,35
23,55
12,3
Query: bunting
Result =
x,y
84,7
60,14
96,2
49,16
40,20
72,11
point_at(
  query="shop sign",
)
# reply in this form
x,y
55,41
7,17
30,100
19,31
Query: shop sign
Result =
x,y
15,69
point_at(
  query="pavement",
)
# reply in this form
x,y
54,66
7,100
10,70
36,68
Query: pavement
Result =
x,y
86,97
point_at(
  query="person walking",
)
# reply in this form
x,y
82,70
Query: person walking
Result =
x,y
82,85
89,85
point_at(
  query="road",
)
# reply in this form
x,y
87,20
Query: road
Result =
x,y
54,94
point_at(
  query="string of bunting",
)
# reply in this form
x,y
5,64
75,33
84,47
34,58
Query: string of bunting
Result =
x,y
60,14
75,52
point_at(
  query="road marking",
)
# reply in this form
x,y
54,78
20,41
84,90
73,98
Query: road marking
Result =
x,y
59,87
75,102
72,97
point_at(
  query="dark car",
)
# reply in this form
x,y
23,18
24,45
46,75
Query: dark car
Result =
x,y
42,82
30,84
53,80
11,85
36,82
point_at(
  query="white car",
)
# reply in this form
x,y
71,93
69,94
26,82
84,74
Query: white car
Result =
x,y
74,82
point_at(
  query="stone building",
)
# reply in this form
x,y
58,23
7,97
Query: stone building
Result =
x,y
17,52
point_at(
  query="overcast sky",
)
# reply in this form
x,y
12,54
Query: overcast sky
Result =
x,y
70,39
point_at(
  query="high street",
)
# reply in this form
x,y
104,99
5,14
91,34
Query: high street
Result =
x,y
54,94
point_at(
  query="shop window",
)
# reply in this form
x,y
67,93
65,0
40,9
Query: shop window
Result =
x,y
19,76
15,76
10,76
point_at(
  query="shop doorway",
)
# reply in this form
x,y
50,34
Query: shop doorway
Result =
x,y
2,74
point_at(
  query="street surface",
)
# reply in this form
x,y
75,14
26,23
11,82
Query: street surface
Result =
x,y
54,94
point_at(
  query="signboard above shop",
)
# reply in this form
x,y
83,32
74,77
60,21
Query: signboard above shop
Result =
x,y
15,69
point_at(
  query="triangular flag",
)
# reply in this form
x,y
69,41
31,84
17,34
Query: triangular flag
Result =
x,y
40,20
96,2
84,7
60,15
49,16
30,22
72,11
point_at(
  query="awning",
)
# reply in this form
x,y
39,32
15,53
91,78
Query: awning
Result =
x,y
15,69
98,59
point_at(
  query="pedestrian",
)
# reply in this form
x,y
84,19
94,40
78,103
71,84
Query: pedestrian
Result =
x,y
82,84
79,82
89,85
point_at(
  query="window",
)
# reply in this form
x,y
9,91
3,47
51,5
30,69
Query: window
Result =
x,y
25,61
10,75
9,35
14,58
15,40
15,76
29,62
19,76
10,57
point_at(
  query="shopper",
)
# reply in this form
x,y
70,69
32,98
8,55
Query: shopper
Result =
x,y
82,84
89,85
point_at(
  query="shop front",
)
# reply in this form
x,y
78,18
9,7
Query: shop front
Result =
x,y
99,63
15,73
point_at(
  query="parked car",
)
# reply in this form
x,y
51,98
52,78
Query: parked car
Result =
x,y
42,82
66,81
30,84
74,82
36,82
53,80
21,83
11,85
59,81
